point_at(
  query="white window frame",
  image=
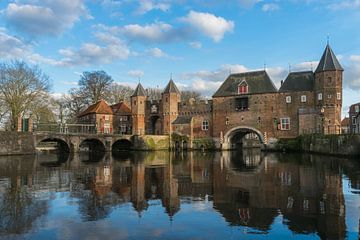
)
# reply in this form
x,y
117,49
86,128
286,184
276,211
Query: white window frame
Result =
x,y
288,99
353,120
303,98
284,122
205,125
329,96
320,96
107,117
338,96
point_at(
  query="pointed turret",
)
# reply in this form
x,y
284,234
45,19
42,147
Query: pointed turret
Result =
x,y
138,103
328,91
328,61
171,88
139,91
170,99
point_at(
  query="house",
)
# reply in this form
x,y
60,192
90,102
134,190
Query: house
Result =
x,y
353,113
98,115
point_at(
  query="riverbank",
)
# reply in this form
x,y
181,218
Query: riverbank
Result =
x,y
336,145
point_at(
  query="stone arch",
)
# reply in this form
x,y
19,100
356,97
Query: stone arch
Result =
x,y
92,145
241,130
122,145
61,143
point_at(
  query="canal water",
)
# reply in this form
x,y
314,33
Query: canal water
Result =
x,y
194,195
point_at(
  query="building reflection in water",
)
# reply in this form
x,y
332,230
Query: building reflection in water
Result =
x,y
247,188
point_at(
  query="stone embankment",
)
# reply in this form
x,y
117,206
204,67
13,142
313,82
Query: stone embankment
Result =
x,y
336,145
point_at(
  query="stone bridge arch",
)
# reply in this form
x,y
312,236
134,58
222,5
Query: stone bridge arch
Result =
x,y
93,144
241,131
63,143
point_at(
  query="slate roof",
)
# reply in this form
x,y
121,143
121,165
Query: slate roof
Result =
x,y
328,61
171,88
182,120
139,91
121,108
258,82
298,81
100,107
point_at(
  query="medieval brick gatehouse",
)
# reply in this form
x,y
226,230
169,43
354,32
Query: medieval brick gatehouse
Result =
x,y
307,102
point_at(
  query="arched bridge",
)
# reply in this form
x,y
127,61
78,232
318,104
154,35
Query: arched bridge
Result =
x,y
100,142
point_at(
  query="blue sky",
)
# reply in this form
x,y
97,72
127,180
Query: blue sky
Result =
x,y
199,42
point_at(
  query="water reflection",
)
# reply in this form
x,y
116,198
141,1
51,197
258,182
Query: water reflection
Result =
x,y
250,190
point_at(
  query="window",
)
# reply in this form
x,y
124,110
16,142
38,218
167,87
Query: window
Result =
x,y
288,99
320,96
303,98
329,96
243,87
285,123
354,120
338,96
241,104
107,117
205,125
356,108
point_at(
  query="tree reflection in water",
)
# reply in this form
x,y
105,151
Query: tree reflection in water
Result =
x,y
249,189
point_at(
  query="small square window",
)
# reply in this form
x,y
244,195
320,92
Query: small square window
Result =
x,y
303,98
288,99
320,96
205,125
338,95
329,96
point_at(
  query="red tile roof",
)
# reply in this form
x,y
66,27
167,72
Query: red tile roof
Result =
x,y
121,108
101,107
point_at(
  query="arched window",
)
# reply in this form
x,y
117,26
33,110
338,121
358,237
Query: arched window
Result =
x,y
243,87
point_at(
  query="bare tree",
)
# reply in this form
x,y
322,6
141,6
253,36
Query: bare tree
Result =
x,y
95,84
74,103
153,93
119,93
187,94
20,86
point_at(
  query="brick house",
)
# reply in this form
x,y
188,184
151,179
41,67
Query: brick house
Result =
x,y
122,118
100,115
345,126
353,116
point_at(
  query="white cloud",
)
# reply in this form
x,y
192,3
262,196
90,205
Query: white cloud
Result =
x,y
268,7
149,5
196,45
209,24
136,73
12,47
156,52
153,33
46,17
345,4
248,3
352,73
355,58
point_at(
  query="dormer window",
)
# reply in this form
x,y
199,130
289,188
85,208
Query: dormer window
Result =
x,y
243,87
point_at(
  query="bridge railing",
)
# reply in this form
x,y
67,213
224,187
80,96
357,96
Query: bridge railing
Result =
x,y
65,128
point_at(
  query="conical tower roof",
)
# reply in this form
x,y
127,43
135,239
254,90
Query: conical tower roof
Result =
x,y
171,88
139,91
328,61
